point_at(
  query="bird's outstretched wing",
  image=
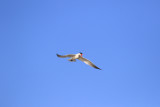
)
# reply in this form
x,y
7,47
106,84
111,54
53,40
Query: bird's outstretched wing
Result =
x,y
64,56
88,62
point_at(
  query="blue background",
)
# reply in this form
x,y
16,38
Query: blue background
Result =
x,y
120,36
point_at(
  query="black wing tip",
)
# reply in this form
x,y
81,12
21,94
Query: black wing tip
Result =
x,y
58,55
98,68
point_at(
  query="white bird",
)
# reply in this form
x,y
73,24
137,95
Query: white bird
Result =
x,y
78,56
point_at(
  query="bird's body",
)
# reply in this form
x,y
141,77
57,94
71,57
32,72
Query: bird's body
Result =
x,y
78,56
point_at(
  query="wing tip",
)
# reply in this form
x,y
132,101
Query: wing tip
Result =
x,y
99,68
58,55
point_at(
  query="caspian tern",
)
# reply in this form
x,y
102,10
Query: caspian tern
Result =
x,y
78,56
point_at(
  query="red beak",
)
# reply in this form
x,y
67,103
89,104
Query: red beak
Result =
x,y
81,55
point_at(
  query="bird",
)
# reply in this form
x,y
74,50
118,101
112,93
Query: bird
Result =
x,y
73,58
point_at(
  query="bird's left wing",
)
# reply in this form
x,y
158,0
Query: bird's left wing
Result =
x,y
64,56
88,62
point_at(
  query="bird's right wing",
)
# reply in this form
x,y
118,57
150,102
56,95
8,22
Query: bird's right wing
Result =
x,y
64,56
88,62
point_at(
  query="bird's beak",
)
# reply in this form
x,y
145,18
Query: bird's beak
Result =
x,y
81,55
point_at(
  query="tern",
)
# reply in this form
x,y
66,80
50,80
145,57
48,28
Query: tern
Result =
x,y
73,58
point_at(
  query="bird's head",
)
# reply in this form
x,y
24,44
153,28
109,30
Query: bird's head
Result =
x,y
81,53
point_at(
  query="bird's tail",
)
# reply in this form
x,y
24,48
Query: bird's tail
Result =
x,y
72,60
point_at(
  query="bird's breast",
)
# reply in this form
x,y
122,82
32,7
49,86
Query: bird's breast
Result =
x,y
77,56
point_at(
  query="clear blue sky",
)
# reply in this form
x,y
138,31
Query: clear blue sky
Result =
x,y
120,36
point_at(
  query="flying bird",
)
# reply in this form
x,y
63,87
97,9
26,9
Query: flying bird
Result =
x,y
73,58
